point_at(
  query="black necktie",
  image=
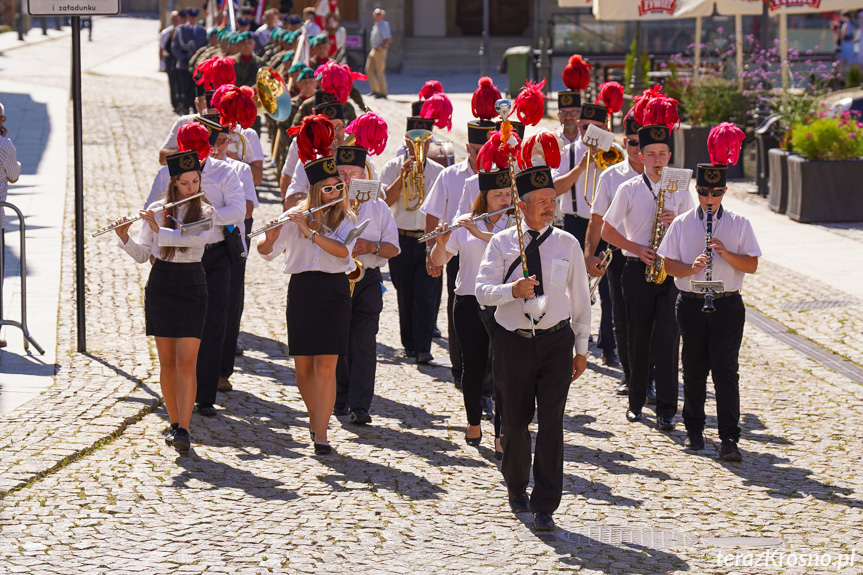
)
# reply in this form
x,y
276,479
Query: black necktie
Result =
x,y
534,263
571,166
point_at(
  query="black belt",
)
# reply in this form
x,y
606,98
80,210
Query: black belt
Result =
x,y
633,259
529,334
411,233
209,247
720,295
576,216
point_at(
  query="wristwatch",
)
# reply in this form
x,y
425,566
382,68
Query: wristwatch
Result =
x,y
377,248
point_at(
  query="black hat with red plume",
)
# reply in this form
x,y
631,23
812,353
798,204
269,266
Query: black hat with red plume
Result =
x,y
576,77
314,137
482,105
723,145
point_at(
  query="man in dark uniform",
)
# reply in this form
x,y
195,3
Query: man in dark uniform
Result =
x,y
538,355
188,38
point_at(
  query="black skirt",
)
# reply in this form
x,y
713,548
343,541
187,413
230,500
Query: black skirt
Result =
x,y
175,299
319,313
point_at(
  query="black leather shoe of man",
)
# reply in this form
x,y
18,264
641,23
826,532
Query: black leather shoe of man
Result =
x,y
543,522
651,394
520,503
360,416
340,409
632,417
436,333
623,388
182,441
424,357
665,423
609,358
728,451
410,353
207,410
322,449
694,441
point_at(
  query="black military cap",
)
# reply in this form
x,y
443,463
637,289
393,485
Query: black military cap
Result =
x,y
594,112
351,156
211,122
416,108
321,169
711,175
517,127
332,110
183,162
416,123
630,126
654,134
494,180
533,179
478,131
568,99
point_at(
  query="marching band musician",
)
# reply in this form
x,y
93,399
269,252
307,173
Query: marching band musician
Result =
x,y
415,288
471,185
175,302
355,374
629,224
535,359
225,193
711,341
607,184
319,299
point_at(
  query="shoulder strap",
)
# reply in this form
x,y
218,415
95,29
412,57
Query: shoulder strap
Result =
x,y
532,247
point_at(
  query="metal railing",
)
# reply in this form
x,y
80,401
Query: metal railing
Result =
x,y
22,325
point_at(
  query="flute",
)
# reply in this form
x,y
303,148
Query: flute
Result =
x,y
283,218
474,219
125,221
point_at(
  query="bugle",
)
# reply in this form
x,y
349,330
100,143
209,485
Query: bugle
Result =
x,y
604,261
450,228
132,219
284,218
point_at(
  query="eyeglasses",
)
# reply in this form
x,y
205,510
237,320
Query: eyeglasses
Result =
x,y
340,187
569,113
704,192
633,143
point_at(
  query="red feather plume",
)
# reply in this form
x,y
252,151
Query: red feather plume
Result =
x,y
429,89
439,108
724,143
639,103
576,75
484,98
529,103
496,153
314,137
611,96
543,148
194,136
338,80
661,110
236,105
214,72
370,131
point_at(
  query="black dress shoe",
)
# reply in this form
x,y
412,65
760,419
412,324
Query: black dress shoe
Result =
x,y
694,441
665,423
360,416
321,449
182,441
238,351
651,395
632,417
206,409
520,503
424,357
169,434
488,408
436,333
623,389
609,358
410,353
340,410
498,455
728,451
474,441
543,522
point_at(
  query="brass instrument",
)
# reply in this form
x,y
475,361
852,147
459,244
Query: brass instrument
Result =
x,y
237,144
456,225
131,219
413,184
604,261
601,160
655,273
272,97
356,275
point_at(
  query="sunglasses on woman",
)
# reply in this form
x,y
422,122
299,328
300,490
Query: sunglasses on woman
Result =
x,y
340,187
704,192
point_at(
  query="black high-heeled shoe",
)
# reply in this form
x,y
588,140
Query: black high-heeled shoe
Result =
x,y
474,441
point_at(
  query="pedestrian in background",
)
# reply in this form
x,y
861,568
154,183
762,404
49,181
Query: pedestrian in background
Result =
x,y
10,171
376,64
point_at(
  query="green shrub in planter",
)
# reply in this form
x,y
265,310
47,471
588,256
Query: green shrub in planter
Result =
x,y
829,138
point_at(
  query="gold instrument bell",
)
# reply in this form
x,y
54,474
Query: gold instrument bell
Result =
x,y
602,160
273,96
413,183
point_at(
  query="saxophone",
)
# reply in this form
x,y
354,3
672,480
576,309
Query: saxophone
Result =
x,y
413,183
655,273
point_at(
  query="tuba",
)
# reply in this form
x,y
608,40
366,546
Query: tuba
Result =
x,y
655,273
272,94
413,184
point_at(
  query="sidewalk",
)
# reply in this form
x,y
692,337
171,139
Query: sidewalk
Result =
x,y
9,40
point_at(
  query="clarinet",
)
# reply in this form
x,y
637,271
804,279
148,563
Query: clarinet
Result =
x,y
708,235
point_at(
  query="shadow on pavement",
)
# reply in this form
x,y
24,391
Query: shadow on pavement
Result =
x,y
29,129
222,476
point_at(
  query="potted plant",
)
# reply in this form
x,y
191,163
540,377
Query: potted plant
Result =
x,y
824,173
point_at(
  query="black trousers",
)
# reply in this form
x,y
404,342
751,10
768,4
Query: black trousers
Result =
x,y
235,309
454,345
217,266
415,291
489,389
173,83
186,89
533,375
614,273
650,313
711,343
475,357
355,372
578,228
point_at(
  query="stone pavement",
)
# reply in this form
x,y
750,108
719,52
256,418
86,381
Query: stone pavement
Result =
x,y
405,494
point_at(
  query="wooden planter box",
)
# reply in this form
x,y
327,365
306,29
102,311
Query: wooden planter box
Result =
x,y
777,199
690,149
822,191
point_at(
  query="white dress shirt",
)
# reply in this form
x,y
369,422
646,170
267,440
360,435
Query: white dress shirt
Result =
x,y
301,255
578,149
406,220
468,195
470,250
684,241
564,282
442,201
150,243
382,228
244,173
609,181
566,140
253,149
292,159
300,180
632,210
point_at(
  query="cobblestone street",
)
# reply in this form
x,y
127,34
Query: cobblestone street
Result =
x,y
87,484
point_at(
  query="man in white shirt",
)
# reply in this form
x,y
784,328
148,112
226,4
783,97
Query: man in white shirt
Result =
x,y
712,327
537,356
568,112
629,225
376,63
410,270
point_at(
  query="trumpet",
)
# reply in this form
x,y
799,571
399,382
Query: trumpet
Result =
x,y
413,183
604,261
602,160
284,218
131,219
450,228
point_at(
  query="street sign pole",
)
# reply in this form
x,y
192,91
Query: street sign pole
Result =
x,y
77,144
